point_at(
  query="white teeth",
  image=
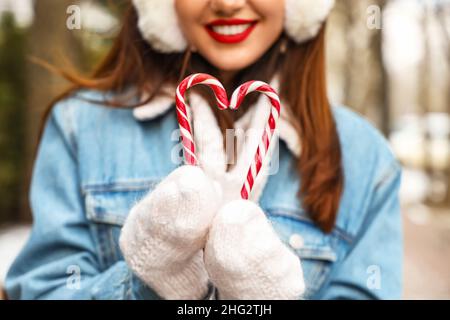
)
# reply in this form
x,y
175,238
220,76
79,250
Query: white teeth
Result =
x,y
231,30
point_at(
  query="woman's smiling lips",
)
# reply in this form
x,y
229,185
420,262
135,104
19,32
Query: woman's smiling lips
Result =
x,y
230,30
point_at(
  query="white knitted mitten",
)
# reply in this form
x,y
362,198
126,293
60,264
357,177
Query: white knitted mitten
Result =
x,y
245,258
165,232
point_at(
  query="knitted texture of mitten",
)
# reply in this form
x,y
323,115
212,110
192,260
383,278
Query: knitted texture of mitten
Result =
x,y
245,258
164,233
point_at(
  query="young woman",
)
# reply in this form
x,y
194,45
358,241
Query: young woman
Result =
x,y
117,216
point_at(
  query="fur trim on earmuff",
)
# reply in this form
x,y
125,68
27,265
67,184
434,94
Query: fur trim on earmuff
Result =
x,y
305,17
158,22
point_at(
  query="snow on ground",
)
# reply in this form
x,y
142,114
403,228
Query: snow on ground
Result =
x,y
11,241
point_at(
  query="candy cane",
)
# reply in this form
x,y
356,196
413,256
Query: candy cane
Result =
x,y
183,117
238,96
261,152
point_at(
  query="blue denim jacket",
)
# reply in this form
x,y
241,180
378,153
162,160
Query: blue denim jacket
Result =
x,y
94,163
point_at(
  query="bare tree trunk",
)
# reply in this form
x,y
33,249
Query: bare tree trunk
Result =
x,y
424,98
383,97
366,79
380,92
442,12
48,35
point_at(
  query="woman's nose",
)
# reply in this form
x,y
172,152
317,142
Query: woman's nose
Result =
x,y
227,7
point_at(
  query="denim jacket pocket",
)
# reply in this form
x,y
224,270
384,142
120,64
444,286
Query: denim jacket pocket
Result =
x,y
107,207
312,246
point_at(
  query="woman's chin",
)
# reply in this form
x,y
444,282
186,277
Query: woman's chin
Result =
x,y
232,62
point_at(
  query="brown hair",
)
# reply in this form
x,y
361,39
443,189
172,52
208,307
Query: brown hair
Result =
x,y
132,63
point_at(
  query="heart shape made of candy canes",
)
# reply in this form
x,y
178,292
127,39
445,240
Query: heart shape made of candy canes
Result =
x,y
222,102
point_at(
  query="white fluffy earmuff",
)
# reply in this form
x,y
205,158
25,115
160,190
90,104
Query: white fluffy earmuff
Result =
x,y
158,22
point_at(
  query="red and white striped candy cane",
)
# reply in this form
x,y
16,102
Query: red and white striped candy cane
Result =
x,y
263,147
222,101
183,117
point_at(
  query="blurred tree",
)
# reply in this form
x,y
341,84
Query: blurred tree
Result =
x,y
425,79
48,39
97,37
443,14
12,91
366,83
116,7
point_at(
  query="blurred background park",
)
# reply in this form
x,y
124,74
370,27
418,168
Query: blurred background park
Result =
x,y
388,60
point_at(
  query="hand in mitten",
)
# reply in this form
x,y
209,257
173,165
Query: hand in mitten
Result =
x,y
165,232
245,258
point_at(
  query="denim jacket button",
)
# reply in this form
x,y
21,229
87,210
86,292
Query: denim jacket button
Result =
x,y
296,241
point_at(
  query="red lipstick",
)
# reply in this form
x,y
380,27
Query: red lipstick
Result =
x,y
230,30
